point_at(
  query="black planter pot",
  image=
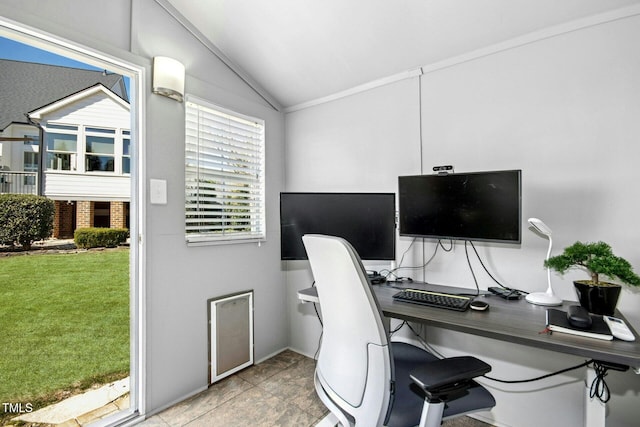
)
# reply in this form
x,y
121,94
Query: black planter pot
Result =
x,y
598,299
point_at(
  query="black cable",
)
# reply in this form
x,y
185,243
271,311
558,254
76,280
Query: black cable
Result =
x,y
490,275
399,267
562,371
390,272
405,252
404,322
445,249
599,387
315,356
315,307
466,252
485,268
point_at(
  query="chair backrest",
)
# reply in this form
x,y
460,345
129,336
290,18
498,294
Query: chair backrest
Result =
x,y
354,363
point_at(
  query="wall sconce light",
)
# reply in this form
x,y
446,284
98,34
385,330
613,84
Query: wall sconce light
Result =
x,y
168,78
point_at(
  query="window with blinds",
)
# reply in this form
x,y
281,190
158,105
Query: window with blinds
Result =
x,y
224,175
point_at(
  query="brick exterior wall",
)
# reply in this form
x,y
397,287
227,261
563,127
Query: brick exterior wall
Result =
x,y
81,214
64,219
118,217
84,214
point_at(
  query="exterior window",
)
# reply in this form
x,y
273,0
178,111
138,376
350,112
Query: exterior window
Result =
x,y
32,141
224,175
126,151
30,161
100,150
61,147
30,165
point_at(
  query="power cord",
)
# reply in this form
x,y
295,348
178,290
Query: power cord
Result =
x,y
516,291
599,386
466,252
315,308
562,371
400,267
484,267
442,246
598,389
404,322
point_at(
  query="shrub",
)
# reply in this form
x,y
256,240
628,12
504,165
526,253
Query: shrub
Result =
x,y
100,237
25,218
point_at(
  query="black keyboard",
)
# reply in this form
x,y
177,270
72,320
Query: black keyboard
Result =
x,y
433,299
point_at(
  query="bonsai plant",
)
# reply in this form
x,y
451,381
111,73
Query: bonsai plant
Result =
x,y
595,295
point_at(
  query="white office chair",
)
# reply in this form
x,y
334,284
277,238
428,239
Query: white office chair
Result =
x,y
362,377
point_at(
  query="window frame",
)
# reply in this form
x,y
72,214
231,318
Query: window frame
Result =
x,y
52,129
94,134
225,173
125,161
80,157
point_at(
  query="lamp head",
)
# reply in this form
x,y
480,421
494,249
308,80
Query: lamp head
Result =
x,y
540,226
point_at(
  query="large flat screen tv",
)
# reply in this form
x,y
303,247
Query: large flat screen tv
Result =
x,y
366,220
483,206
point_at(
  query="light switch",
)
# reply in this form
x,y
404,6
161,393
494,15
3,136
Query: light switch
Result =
x,y
158,191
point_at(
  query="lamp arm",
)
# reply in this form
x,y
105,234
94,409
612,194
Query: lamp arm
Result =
x,y
550,246
549,289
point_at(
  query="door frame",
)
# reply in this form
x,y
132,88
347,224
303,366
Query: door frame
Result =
x,y
137,73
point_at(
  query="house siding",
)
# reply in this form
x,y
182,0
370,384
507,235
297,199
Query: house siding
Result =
x,y
94,110
79,189
76,186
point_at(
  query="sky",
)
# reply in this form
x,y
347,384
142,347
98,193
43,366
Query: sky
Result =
x,y
10,49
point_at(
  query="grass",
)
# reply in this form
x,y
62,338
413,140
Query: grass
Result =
x,y
64,323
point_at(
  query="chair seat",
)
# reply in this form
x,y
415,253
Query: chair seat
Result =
x,y
357,363
408,401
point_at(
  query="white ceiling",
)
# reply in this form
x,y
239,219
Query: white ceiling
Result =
x,y
302,50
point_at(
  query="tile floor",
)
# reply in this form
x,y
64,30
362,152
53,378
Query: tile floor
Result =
x,y
276,392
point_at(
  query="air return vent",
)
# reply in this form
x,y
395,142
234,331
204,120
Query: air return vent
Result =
x,y
230,334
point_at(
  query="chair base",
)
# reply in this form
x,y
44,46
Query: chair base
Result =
x,y
431,414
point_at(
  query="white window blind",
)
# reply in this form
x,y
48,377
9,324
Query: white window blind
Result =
x,y
224,175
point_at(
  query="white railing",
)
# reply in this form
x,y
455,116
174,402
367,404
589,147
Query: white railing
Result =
x,y
18,182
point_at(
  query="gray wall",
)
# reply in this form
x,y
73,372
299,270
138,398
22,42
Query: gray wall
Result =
x,y
179,280
565,110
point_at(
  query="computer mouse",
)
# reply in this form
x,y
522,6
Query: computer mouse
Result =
x,y
578,317
478,305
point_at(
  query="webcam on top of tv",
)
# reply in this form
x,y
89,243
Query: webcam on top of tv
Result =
x,y
443,170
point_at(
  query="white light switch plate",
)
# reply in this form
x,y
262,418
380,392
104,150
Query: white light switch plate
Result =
x,y
158,191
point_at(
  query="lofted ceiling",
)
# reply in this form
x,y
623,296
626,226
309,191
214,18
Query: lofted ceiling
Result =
x,y
303,50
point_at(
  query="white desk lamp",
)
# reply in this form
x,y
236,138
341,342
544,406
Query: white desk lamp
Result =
x,y
543,298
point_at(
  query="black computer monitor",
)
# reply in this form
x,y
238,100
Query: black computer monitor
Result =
x,y
366,220
484,206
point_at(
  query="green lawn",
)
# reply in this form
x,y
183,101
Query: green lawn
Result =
x,y
64,323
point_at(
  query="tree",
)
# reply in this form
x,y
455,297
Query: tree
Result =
x,y
598,259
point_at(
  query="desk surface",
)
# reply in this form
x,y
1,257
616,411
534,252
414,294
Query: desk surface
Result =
x,y
515,321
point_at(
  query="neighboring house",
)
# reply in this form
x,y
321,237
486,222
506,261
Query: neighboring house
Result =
x,y
65,134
